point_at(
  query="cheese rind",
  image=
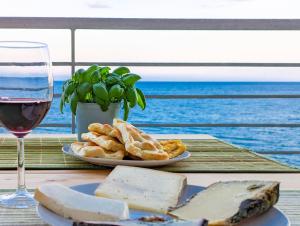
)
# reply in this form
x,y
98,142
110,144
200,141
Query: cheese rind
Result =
x,y
228,203
143,189
78,206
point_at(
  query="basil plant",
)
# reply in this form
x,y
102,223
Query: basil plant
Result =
x,y
102,86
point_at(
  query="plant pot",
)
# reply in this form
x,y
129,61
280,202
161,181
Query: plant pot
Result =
x,y
88,113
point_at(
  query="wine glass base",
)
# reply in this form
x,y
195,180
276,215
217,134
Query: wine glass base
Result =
x,y
21,199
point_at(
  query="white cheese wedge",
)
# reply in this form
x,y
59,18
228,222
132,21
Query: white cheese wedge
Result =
x,y
78,206
143,189
228,203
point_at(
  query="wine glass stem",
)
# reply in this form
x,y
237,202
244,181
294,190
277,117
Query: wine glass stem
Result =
x,y
21,165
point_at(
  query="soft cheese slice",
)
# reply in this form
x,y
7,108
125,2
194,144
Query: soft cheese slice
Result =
x,y
78,206
143,189
228,203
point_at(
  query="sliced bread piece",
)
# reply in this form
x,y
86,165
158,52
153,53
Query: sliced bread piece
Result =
x,y
143,189
228,203
78,206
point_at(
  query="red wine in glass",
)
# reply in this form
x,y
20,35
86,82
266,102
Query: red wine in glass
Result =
x,y
21,115
26,92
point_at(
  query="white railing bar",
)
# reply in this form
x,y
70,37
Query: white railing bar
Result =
x,y
278,152
55,125
59,125
23,63
208,125
24,89
148,23
247,96
289,125
179,64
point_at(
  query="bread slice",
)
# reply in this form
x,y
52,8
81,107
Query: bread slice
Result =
x,y
138,143
107,142
228,203
78,206
143,189
173,147
89,149
105,129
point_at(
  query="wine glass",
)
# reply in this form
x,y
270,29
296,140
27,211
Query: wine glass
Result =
x,y
26,92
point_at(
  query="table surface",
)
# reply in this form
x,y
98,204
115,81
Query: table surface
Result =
x,y
289,181
208,155
34,178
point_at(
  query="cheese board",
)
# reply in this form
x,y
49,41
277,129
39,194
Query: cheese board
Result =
x,y
273,217
114,162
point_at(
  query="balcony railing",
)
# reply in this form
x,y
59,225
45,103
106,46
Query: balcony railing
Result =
x,y
73,24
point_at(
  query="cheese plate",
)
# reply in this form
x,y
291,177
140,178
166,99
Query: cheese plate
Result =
x,y
113,162
273,217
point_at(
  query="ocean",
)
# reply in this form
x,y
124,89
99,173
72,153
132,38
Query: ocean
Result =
x,y
215,111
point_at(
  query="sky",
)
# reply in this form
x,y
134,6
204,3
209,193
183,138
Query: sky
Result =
x,y
168,46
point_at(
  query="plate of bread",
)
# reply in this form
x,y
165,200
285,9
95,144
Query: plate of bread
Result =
x,y
124,144
141,196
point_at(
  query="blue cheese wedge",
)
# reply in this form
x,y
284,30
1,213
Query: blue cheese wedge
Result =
x,y
229,203
143,189
78,206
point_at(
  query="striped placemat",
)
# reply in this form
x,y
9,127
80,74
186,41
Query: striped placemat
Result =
x,y
208,155
289,203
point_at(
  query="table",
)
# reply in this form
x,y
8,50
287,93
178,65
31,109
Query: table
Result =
x,y
289,178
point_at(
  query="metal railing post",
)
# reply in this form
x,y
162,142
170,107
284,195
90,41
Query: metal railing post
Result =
x,y
73,68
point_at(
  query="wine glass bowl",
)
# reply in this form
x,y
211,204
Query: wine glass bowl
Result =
x,y
26,92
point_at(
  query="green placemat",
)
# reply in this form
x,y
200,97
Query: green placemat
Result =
x,y
289,203
209,155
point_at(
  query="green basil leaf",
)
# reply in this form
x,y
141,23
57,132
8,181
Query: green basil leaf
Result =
x,y
100,91
131,96
96,77
69,88
104,71
130,79
112,79
65,84
121,70
92,69
141,99
77,74
82,90
73,103
62,103
81,78
86,76
103,104
115,93
126,110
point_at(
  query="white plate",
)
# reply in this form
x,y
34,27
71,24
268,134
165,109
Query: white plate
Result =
x,y
112,162
274,217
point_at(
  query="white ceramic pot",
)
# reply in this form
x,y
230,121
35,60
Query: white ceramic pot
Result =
x,y
88,113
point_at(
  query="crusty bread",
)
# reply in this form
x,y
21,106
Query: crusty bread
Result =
x,y
123,139
77,146
107,142
229,203
105,129
173,147
139,144
94,151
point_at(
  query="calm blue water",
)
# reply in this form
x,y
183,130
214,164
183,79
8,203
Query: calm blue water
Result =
x,y
215,111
